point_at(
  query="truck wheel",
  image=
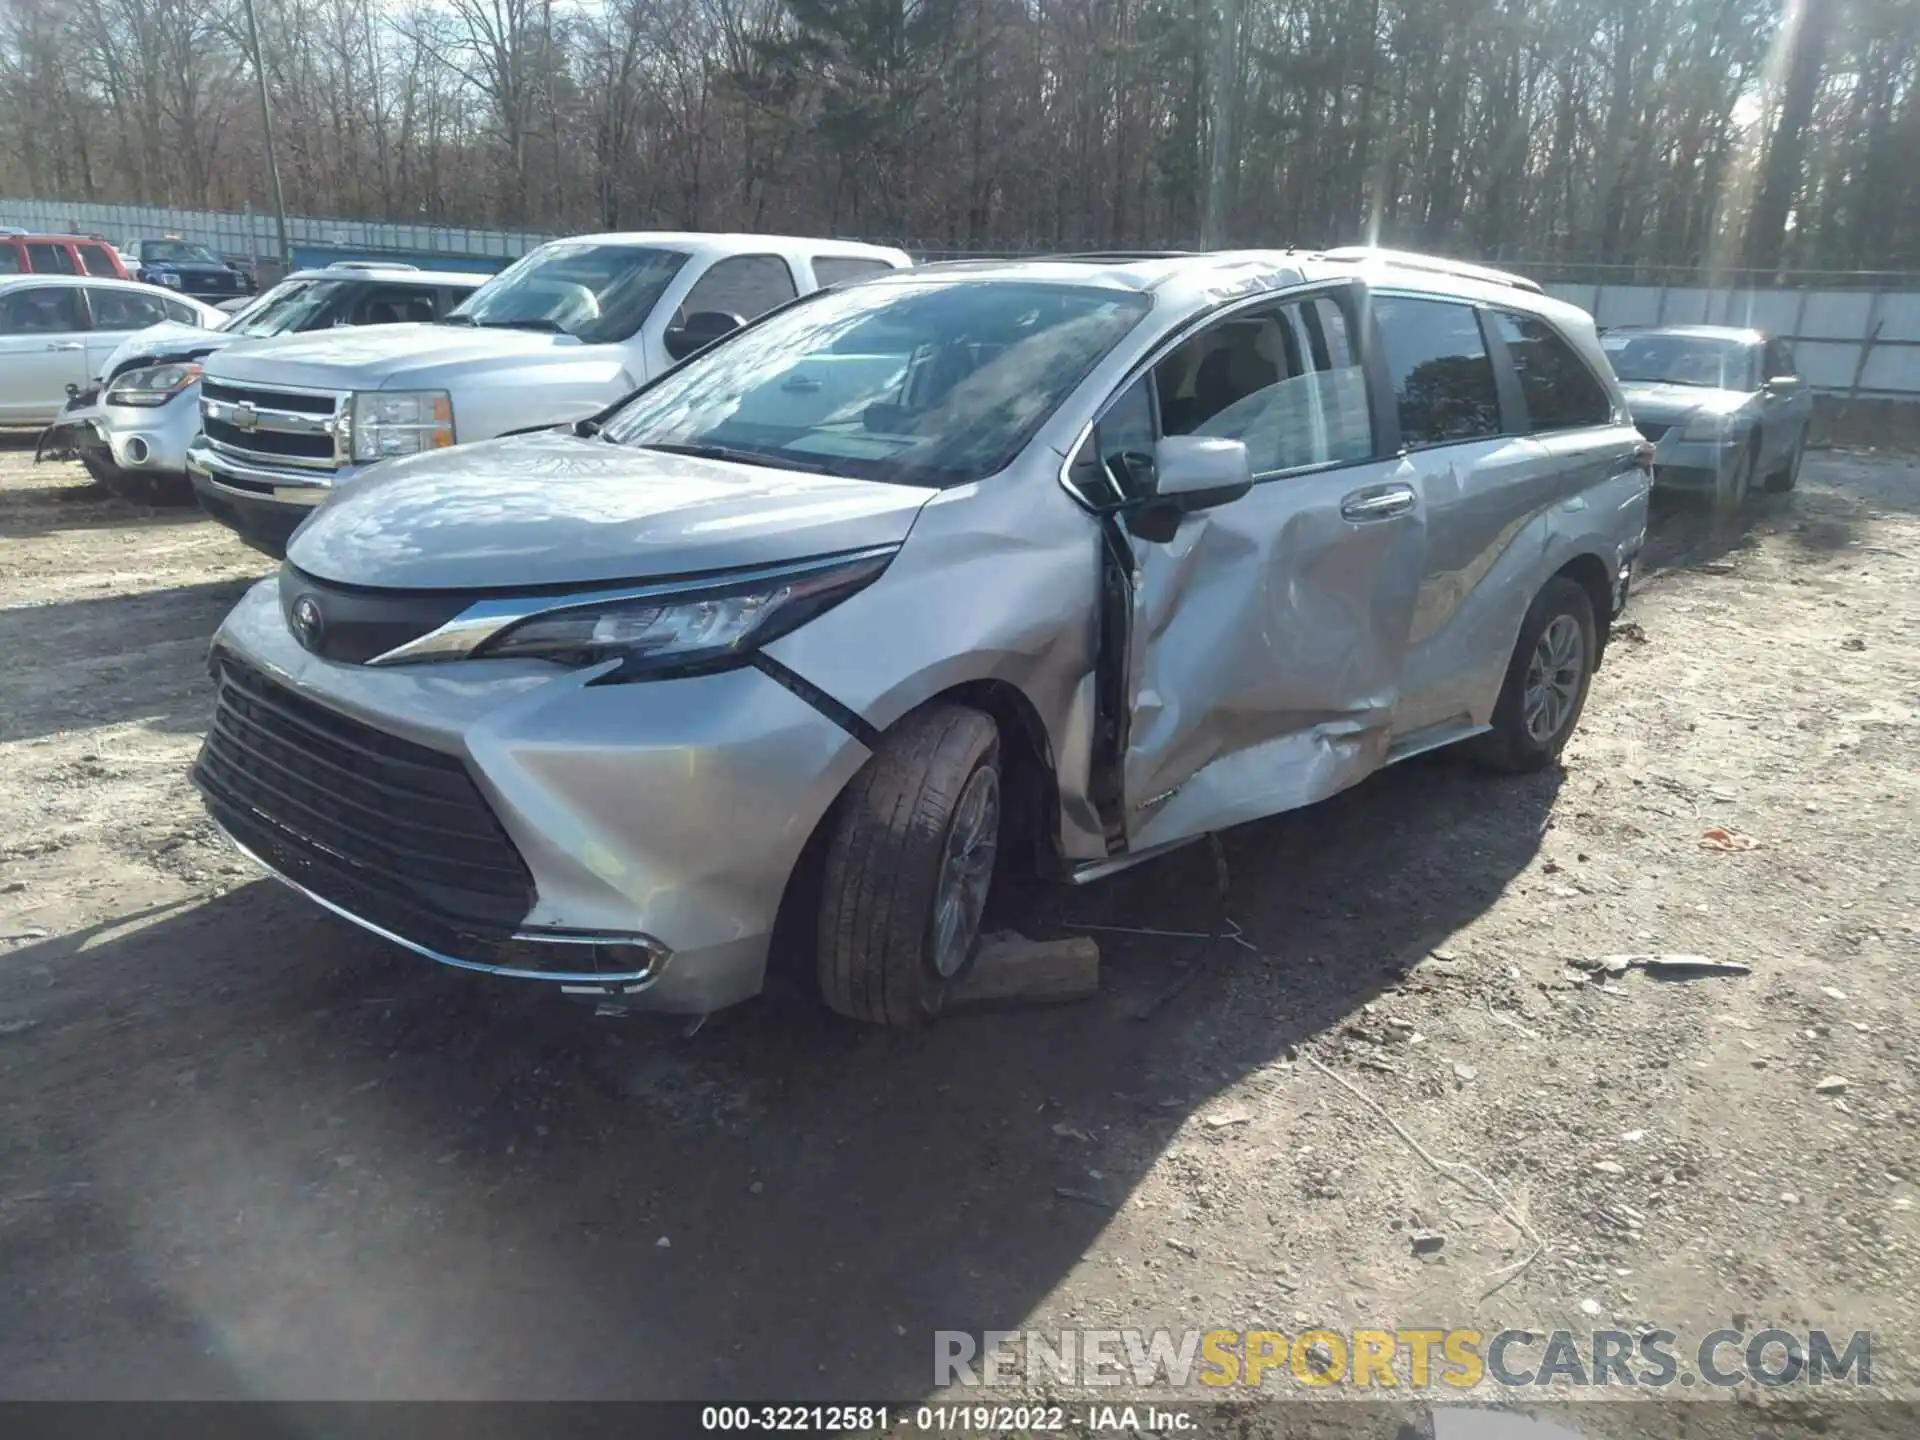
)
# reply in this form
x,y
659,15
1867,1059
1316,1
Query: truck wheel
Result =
x,y
1546,684
909,863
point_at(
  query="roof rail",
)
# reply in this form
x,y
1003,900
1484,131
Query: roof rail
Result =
x,y
1430,264
1116,256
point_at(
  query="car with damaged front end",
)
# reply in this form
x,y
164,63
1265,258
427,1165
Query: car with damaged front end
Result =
x,y
1053,564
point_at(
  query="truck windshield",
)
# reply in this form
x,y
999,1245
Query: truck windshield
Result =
x,y
176,252
290,306
1710,360
595,293
930,382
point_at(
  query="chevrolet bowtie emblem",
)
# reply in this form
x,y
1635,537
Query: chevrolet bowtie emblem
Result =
x,y
245,417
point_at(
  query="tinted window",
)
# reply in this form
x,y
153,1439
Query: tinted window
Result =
x,y
1779,360
1442,379
48,310
394,305
934,383
832,269
1560,391
50,259
742,285
96,259
185,314
125,309
10,259
1285,381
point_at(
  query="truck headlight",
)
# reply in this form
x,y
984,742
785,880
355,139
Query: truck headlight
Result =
x,y
168,278
689,627
387,423
155,385
1706,425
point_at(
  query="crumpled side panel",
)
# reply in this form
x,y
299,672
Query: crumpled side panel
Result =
x,y
1269,638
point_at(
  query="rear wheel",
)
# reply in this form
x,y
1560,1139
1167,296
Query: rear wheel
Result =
x,y
1547,680
909,863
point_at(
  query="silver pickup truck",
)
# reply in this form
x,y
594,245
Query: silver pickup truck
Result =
x,y
559,335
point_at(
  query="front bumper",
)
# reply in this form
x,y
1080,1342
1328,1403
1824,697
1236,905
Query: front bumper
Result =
x,y
133,439
263,505
661,817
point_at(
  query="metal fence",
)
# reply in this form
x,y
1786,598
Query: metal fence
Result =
x,y
1855,332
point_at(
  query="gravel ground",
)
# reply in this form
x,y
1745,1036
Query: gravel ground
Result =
x,y
248,1151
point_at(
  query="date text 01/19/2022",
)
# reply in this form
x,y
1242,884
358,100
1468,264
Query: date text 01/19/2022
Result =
x,y
939,1419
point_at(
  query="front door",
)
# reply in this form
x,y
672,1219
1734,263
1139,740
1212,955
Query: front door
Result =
x,y
1268,636
42,351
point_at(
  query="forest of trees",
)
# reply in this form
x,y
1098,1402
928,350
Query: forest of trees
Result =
x,y
1677,133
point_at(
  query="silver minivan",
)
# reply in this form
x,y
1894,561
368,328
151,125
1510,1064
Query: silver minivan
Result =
x,y
1053,563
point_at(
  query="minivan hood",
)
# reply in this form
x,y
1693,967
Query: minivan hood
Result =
x,y
373,357
1666,404
555,509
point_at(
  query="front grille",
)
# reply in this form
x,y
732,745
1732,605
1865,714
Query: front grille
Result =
x,y
389,830
299,401
268,442
1652,430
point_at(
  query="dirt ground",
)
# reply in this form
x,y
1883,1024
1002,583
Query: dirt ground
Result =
x,y
246,1151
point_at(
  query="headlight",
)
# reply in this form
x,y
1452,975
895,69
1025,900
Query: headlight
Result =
x,y
168,278
687,627
153,386
400,422
1705,425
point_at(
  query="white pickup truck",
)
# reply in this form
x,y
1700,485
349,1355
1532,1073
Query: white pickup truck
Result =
x,y
559,335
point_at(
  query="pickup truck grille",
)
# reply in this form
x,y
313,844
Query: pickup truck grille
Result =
x,y
299,428
389,830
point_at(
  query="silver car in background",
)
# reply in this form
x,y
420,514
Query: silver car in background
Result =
x,y
1050,563
1726,409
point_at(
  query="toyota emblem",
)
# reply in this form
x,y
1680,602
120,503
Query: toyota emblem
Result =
x,y
245,417
309,626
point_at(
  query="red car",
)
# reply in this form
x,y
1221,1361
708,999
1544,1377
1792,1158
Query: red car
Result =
x,y
23,254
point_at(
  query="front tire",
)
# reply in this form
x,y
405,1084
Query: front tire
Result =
x,y
909,863
1731,485
1547,681
1788,475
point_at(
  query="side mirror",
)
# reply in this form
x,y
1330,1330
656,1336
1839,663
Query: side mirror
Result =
x,y
1192,473
698,331
1784,385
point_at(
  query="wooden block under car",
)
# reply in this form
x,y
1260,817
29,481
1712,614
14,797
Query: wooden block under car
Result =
x,y
1013,970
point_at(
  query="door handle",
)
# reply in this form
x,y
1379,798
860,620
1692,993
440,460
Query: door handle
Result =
x,y
66,345
801,385
1382,502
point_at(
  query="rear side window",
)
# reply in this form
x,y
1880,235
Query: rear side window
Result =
x,y
1442,377
97,261
1560,391
185,314
1779,361
833,269
42,310
742,285
10,259
50,259
125,309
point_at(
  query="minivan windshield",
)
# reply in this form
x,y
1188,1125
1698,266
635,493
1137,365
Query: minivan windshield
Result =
x,y
290,306
928,382
1718,362
597,293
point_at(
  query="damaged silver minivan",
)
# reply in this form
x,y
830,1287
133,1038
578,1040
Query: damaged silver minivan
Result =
x,y
1057,563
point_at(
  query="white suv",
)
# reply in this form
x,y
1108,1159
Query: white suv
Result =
x,y
557,336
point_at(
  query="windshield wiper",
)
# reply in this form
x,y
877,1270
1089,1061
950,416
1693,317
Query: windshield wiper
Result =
x,y
549,326
467,320
740,457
